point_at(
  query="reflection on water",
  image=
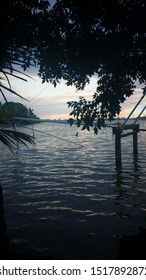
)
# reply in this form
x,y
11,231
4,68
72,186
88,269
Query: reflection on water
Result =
x,y
70,202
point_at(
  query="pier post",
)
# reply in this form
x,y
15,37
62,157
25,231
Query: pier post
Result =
x,y
135,140
117,132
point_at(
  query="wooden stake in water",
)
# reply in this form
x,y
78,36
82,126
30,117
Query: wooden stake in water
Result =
x,y
117,132
135,140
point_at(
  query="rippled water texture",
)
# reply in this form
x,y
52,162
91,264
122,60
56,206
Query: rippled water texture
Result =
x,y
66,199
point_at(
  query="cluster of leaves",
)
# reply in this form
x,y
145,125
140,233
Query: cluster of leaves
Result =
x,y
105,103
96,38
20,21
86,114
75,40
12,138
19,25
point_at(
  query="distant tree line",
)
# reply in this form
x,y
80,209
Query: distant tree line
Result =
x,y
8,110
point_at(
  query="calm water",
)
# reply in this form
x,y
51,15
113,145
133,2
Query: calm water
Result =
x,y
68,201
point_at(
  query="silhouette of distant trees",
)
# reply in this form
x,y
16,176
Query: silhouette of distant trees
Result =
x,y
8,110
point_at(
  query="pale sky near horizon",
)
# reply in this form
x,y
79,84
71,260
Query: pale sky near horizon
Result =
x,y
51,103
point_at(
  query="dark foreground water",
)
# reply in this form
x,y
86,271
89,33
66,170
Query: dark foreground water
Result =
x,y
66,201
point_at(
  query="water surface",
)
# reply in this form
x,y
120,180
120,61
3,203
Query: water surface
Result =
x,y
66,199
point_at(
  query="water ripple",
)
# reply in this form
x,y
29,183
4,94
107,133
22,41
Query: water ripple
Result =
x,y
58,188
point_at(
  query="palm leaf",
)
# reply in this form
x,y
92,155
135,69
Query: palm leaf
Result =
x,y
5,74
11,138
13,75
12,91
11,72
3,96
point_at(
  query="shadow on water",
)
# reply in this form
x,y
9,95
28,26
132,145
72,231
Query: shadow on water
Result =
x,y
5,249
131,247
120,176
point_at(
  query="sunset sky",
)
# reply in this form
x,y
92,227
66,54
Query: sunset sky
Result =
x,y
51,103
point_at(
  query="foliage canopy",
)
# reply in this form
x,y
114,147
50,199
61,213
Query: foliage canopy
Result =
x,y
75,40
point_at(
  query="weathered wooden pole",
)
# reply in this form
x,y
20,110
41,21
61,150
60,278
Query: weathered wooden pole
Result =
x,y
135,140
117,132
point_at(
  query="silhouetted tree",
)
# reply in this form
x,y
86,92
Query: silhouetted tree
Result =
x,y
75,40
15,109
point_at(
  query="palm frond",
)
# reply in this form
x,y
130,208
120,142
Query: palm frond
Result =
x,y
13,75
12,91
13,70
3,96
5,74
11,138
10,71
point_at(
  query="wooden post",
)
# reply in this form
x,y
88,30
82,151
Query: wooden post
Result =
x,y
117,132
135,140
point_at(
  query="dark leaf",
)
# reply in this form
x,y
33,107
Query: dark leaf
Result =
x,y
11,138
12,91
71,121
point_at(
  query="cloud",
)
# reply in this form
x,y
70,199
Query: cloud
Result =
x,y
131,102
50,102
